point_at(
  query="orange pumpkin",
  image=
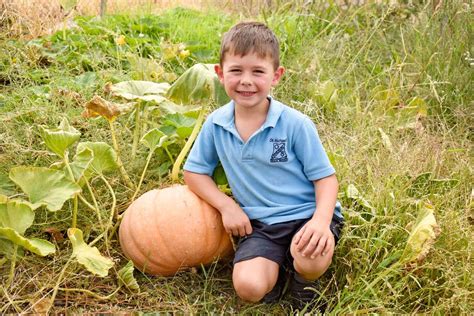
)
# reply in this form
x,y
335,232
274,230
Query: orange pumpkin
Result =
x,y
170,229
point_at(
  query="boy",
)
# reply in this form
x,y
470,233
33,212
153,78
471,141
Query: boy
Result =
x,y
277,170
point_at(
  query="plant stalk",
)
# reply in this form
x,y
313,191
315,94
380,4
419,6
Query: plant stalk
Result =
x,y
122,170
12,266
56,287
148,159
136,131
187,146
112,210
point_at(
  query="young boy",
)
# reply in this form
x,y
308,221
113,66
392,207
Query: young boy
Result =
x,y
284,185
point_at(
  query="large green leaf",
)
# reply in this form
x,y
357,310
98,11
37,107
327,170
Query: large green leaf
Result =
x,y
59,139
184,125
105,157
44,186
154,139
422,236
88,256
197,84
140,90
68,5
6,186
38,246
17,215
81,163
127,279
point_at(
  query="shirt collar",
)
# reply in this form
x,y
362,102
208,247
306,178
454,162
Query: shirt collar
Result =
x,y
225,117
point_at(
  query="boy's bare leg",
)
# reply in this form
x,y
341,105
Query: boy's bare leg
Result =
x,y
254,278
311,269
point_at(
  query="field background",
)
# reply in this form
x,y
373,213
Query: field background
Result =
x,y
388,83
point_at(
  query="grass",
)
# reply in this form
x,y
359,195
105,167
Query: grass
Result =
x,y
354,72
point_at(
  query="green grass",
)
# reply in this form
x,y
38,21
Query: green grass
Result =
x,y
375,60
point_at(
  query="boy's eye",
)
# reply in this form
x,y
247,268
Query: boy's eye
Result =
x,y
235,70
259,71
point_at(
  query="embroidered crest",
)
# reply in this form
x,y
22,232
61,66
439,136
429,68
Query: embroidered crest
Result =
x,y
279,150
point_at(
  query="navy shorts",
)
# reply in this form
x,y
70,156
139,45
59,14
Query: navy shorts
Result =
x,y
273,241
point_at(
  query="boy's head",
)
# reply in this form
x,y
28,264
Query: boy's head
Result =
x,y
251,37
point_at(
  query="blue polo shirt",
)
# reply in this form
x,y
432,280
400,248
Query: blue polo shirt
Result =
x,y
271,174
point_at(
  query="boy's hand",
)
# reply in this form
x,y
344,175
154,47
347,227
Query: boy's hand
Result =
x,y
235,221
314,239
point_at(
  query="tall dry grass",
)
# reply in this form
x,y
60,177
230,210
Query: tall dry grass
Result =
x,y
30,19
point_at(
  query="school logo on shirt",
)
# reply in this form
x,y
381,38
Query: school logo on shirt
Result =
x,y
279,150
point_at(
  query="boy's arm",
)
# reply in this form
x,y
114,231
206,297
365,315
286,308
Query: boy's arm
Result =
x,y
315,237
234,219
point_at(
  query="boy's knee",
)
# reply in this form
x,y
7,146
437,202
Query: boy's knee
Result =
x,y
249,289
311,269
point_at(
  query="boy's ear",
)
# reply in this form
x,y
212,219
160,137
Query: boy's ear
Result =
x,y
219,72
277,75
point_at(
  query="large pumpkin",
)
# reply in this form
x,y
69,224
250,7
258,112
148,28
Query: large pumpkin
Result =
x,y
166,230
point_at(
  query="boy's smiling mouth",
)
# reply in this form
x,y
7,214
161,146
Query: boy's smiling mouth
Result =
x,y
246,93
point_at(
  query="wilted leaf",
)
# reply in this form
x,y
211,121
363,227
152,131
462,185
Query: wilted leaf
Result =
x,y
104,156
154,139
44,186
109,110
88,256
59,139
16,215
38,246
140,90
421,237
127,279
55,233
197,84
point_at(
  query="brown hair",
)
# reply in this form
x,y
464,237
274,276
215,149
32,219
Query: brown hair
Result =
x,y
251,37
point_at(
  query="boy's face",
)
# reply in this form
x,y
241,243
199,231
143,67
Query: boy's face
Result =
x,y
248,79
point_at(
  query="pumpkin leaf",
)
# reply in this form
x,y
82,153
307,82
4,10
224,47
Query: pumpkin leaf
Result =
x,y
127,279
38,246
7,187
44,186
197,84
88,256
184,125
81,163
170,107
68,5
154,139
422,236
109,110
16,215
104,156
59,139
140,90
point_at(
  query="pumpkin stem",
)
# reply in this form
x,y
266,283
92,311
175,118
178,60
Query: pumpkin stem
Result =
x,y
187,146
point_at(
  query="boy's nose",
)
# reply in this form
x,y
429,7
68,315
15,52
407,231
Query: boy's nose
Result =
x,y
245,80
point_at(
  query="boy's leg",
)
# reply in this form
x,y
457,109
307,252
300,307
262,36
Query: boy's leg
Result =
x,y
307,270
254,278
311,269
